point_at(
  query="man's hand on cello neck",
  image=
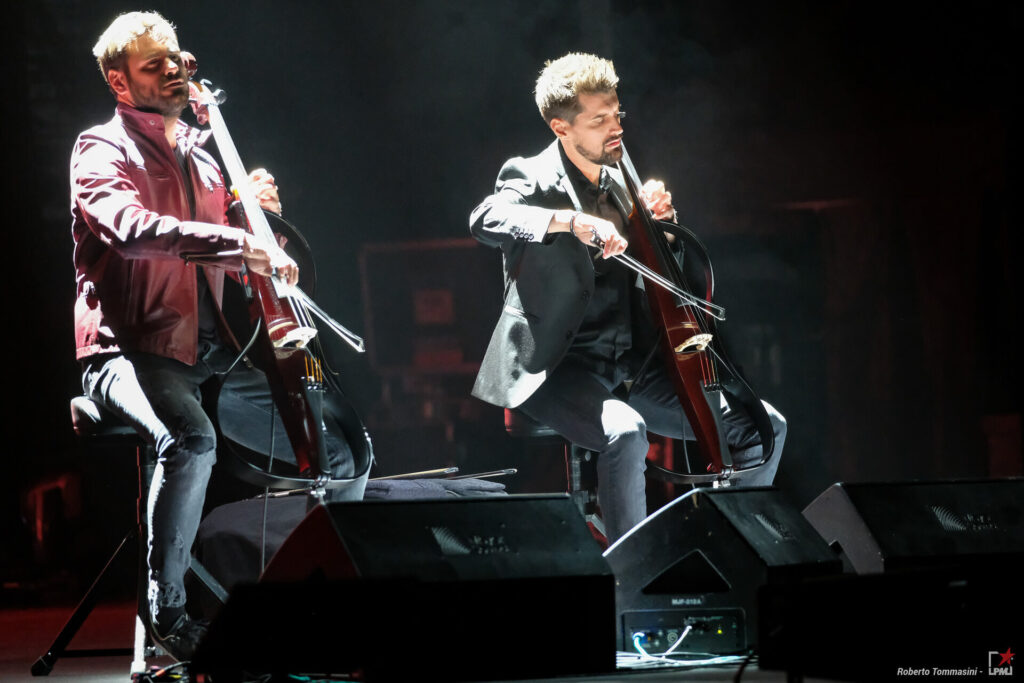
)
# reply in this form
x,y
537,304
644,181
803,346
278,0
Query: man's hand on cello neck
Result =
x,y
658,200
265,190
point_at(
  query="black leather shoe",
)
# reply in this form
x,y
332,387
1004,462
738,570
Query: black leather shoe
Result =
x,y
182,638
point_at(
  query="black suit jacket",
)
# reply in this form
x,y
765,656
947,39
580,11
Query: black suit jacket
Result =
x,y
548,280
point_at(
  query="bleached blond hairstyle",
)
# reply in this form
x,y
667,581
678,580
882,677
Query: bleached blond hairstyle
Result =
x,y
563,80
111,50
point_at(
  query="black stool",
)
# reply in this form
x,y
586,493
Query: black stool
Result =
x,y
97,427
580,472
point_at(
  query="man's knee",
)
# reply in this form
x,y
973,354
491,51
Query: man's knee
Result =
x,y
779,425
194,450
629,443
625,430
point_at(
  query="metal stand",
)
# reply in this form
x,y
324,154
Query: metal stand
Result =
x,y
136,537
581,478
143,645
582,485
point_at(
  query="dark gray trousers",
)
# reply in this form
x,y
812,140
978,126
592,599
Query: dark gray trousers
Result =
x,y
160,398
577,401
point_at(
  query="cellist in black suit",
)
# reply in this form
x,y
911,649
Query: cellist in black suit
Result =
x,y
574,329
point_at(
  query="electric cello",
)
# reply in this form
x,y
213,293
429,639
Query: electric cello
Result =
x,y
688,342
286,346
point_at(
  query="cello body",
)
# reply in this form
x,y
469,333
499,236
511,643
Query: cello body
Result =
x,y
308,400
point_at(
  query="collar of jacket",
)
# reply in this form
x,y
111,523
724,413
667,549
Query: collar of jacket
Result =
x,y
553,156
151,125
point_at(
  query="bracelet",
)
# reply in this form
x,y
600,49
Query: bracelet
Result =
x,y
572,223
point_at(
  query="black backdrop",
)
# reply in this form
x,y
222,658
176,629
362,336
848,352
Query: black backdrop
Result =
x,y
851,167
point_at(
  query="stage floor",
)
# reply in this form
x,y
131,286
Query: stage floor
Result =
x,y
26,633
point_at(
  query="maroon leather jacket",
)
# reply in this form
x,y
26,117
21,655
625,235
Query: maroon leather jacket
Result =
x,y
135,249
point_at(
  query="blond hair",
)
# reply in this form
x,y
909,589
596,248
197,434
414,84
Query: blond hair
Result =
x,y
563,80
111,49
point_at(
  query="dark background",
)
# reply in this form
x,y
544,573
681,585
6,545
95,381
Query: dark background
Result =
x,y
851,167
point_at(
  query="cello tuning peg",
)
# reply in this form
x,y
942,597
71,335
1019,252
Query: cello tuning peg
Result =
x,y
189,60
218,95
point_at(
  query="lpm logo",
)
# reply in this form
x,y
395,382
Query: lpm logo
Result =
x,y
1000,663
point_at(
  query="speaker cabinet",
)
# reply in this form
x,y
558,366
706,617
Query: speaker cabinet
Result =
x,y
698,562
914,525
505,587
931,591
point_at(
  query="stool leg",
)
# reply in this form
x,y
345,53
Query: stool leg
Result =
x,y
139,647
145,459
44,665
574,476
142,644
582,495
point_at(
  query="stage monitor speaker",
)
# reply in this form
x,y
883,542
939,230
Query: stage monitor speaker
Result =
x,y
698,562
506,587
914,525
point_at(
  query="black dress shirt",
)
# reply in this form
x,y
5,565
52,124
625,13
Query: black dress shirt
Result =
x,y
606,331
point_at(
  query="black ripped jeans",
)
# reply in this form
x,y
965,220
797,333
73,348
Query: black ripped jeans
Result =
x,y
160,398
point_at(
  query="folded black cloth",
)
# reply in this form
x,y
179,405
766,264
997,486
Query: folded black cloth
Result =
x,y
425,489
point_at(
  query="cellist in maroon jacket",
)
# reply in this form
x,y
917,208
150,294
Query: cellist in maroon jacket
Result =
x,y
152,246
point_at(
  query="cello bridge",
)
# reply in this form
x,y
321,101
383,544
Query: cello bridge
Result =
x,y
296,337
698,342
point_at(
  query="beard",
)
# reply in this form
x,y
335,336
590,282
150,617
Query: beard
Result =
x,y
606,157
171,104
